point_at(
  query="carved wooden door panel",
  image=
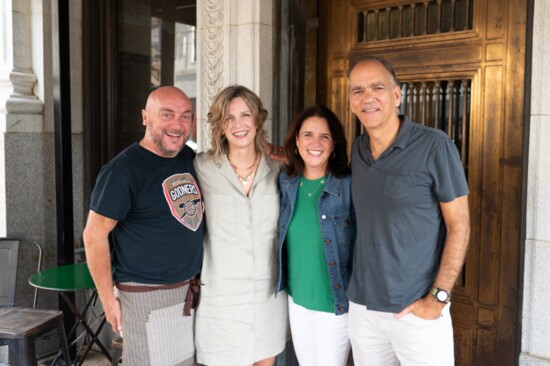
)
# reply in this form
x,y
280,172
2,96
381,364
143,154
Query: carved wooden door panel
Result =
x,y
461,67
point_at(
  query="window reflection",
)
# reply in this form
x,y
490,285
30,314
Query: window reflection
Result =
x,y
156,47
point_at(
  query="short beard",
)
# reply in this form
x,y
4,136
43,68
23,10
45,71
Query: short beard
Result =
x,y
158,143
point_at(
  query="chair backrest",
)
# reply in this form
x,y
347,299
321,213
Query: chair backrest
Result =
x,y
9,260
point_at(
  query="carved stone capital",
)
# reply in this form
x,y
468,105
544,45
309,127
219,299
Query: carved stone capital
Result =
x,y
23,100
213,50
212,62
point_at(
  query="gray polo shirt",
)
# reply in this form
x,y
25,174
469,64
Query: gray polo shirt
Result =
x,y
400,228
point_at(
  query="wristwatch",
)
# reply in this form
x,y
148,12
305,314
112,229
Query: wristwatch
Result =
x,y
441,295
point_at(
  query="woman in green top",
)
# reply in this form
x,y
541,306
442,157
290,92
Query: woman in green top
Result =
x,y
316,235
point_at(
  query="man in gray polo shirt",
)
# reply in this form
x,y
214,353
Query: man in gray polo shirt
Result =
x,y
410,196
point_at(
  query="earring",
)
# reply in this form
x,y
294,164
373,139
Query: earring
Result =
x,y
296,150
333,155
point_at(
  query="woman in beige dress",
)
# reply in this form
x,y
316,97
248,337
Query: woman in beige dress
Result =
x,y
239,321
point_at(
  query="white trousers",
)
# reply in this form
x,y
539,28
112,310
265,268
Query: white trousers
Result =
x,y
378,338
320,338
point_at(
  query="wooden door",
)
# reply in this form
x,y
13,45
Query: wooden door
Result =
x,y
461,67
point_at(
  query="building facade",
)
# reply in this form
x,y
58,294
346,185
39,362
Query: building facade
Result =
x,y
236,42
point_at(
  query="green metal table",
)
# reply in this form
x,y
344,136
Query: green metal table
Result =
x,y
71,278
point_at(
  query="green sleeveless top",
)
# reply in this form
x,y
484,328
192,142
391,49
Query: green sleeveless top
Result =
x,y
308,279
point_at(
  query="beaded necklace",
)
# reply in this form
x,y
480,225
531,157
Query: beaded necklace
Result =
x,y
247,178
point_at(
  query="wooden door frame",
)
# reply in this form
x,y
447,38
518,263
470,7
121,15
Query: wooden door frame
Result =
x,y
497,198
100,87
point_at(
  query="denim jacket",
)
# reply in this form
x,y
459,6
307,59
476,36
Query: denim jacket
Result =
x,y
337,221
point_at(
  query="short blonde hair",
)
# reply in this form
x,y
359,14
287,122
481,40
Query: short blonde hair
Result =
x,y
219,110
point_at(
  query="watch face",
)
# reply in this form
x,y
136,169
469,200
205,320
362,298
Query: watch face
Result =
x,y
442,295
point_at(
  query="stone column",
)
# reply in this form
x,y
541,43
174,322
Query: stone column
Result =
x,y
21,113
234,47
23,101
5,90
535,345
27,184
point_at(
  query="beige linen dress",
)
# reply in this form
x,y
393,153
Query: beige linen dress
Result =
x,y
239,319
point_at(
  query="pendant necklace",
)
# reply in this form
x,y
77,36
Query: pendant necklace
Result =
x,y
244,180
321,183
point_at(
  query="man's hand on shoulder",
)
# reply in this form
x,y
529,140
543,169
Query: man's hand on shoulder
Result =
x,y
276,152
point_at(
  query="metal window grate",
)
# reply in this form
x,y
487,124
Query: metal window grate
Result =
x,y
442,104
412,20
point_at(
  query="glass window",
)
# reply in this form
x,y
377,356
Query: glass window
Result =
x,y
156,47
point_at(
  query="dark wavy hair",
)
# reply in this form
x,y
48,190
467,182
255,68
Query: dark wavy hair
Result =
x,y
338,162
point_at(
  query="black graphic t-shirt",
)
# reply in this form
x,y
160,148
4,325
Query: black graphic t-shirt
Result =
x,y
158,206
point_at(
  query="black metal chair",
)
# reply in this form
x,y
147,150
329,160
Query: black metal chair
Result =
x,y
117,354
19,327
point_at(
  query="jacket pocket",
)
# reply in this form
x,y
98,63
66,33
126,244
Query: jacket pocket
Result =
x,y
344,228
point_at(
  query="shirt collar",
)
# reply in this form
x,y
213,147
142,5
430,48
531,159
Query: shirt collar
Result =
x,y
400,141
404,132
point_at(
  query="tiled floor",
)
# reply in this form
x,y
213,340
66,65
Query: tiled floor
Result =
x,y
94,358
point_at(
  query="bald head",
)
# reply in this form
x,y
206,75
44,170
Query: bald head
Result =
x,y
162,93
167,120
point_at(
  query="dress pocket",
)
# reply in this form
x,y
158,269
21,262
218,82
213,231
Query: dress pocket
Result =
x,y
220,215
270,214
